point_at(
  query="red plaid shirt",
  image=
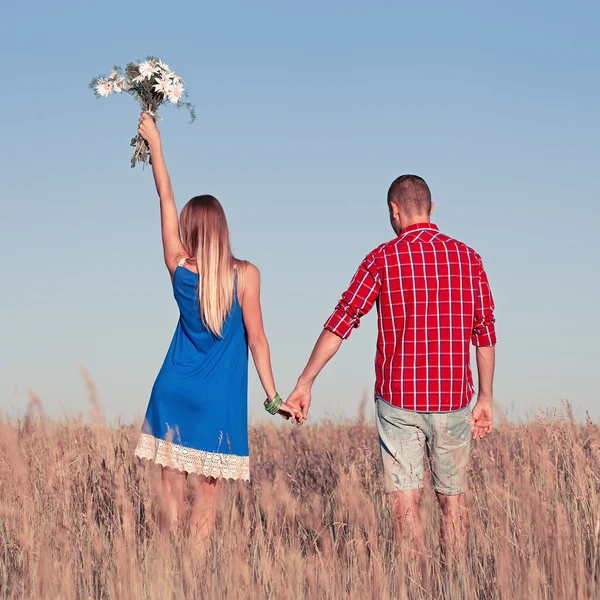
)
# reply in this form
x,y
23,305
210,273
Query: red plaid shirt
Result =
x,y
433,297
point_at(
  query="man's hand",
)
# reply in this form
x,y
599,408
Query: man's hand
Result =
x,y
299,402
288,412
482,417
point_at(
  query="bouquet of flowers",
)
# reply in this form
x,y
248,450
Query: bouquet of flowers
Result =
x,y
152,84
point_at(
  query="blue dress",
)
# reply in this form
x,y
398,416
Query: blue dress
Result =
x,y
197,418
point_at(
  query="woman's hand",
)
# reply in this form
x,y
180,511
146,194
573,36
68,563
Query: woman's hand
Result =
x,y
148,129
287,412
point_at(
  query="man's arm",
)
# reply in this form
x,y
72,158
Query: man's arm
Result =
x,y
356,302
486,358
483,411
325,349
484,338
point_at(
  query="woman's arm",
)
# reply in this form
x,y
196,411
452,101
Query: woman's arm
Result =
x,y
257,340
172,246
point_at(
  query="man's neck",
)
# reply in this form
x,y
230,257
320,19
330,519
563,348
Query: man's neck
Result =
x,y
414,221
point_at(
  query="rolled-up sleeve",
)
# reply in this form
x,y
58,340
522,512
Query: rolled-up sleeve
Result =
x,y
484,322
357,300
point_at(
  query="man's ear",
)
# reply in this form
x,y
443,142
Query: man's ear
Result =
x,y
432,208
394,211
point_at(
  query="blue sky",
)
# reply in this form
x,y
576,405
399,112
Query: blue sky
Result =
x,y
306,113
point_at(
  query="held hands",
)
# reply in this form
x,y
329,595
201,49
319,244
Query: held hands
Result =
x,y
296,407
299,401
274,405
288,412
148,129
482,417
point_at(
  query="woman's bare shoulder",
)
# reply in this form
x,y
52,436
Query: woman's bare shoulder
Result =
x,y
248,278
246,268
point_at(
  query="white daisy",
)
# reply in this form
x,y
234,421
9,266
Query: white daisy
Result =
x,y
163,85
164,66
104,88
118,85
146,70
175,93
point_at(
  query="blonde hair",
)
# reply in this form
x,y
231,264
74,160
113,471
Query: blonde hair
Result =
x,y
205,236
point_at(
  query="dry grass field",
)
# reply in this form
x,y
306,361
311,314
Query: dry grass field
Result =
x,y
79,518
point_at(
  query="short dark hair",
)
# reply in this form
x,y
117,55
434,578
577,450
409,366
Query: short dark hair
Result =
x,y
411,195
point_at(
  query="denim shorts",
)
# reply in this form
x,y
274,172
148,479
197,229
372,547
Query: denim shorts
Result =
x,y
406,437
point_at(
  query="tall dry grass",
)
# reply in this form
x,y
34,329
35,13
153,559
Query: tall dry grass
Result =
x,y
78,518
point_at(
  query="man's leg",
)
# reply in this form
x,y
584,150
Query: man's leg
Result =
x,y
402,444
407,517
449,455
455,522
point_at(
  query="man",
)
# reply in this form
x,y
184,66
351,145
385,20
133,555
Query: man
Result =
x,y
433,299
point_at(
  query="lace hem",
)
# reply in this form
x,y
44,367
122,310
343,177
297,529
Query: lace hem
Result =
x,y
191,460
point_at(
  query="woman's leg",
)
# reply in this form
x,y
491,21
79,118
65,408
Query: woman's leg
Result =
x,y
173,499
204,508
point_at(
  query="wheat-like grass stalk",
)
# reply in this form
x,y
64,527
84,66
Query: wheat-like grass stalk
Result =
x,y
79,517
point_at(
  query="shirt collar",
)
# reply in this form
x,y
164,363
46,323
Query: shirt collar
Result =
x,y
418,227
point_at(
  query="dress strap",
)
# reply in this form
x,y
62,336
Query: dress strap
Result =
x,y
182,261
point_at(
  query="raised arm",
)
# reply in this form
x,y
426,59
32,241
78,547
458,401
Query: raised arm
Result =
x,y
169,219
257,340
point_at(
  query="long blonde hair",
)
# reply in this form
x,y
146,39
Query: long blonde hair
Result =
x,y
205,236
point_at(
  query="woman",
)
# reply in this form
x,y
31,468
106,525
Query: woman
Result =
x,y
196,422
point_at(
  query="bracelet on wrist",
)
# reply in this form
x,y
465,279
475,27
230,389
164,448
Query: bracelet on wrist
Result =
x,y
273,406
